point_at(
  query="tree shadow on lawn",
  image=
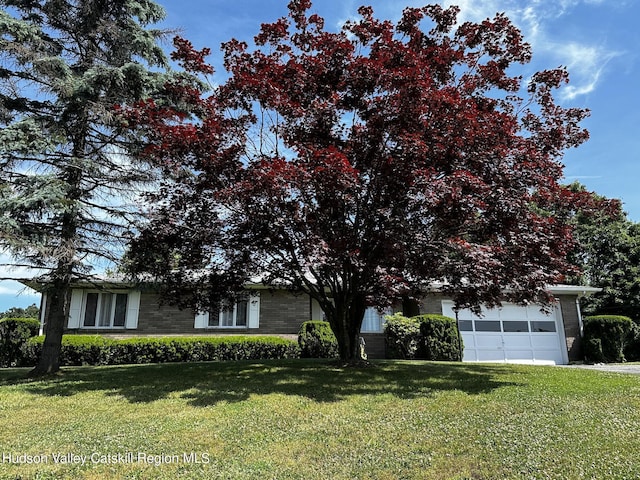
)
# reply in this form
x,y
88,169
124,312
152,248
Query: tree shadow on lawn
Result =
x,y
207,384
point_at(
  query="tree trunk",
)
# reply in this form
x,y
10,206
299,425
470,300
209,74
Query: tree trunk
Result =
x,y
49,361
346,327
410,307
460,341
60,291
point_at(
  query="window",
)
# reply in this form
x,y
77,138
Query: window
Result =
x,y
488,326
543,326
244,314
93,309
373,320
104,310
232,317
465,325
515,326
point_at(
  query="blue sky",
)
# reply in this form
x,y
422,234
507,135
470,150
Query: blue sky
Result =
x,y
597,40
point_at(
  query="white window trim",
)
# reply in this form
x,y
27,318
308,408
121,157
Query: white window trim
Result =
x,y
234,317
78,307
253,316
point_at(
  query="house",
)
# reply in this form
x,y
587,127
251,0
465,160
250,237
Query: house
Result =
x,y
513,333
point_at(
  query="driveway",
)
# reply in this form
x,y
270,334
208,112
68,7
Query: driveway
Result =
x,y
632,368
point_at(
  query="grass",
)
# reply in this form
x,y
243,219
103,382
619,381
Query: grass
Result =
x,y
300,419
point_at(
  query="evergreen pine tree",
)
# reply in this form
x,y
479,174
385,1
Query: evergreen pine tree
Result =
x,y
65,183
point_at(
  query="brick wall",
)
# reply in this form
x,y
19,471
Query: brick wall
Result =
x,y
282,312
432,304
159,319
374,345
154,318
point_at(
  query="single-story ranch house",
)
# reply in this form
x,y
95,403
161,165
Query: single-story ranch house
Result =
x,y
513,333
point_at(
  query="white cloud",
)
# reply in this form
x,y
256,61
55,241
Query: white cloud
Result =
x,y
14,294
10,287
476,11
586,64
7,270
586,60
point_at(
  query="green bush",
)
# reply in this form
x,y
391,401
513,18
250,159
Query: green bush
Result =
x,y
402,337
632,350
317,340
427,337
593,350
14,333
440,338
96,350
606,337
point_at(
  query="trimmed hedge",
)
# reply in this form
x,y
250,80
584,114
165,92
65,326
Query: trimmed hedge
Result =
x,y
97,350
402,337
606,337
442,341
632,348
14,333
426,337
317,340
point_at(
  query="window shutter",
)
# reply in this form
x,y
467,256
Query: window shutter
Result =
x,y
75,308
202,320
133,309
254,310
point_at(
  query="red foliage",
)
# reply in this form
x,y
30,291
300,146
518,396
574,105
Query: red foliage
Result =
x,y
361,165
190,59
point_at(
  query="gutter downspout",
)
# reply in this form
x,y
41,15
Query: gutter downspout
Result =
x,y
580,315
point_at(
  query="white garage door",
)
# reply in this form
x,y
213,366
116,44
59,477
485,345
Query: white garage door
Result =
x,y
513,334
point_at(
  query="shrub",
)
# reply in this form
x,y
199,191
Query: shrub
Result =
x,y
317,340
96,350
14,332
606,337
402,337
593,350
76,350
440,337
427,337
632,350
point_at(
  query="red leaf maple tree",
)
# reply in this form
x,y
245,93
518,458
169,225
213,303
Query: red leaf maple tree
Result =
x,y
360,167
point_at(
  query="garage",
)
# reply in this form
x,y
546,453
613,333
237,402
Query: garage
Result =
x,y
511,334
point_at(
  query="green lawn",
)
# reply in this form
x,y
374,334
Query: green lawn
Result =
x,y
309,420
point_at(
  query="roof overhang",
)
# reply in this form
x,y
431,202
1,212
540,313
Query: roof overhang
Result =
x,y
40,284
579,290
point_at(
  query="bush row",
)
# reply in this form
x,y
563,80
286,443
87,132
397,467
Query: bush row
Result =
x,y
431,337
428,337
14,332
607,338
96,350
